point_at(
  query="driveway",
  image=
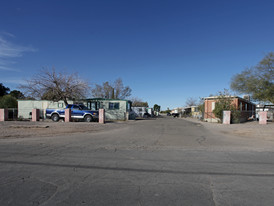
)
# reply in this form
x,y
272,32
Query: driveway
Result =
x,y
162,161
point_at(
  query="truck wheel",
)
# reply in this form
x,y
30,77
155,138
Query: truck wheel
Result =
x,y
55,117
88,118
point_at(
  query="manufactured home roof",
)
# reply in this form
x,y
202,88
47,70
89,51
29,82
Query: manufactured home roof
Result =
x,y
218,97
104,99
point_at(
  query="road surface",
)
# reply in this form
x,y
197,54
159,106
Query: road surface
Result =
x,y
162,161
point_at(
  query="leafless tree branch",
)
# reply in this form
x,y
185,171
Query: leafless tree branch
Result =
x,y
56,86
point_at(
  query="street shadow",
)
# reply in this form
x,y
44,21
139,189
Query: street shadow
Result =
x,y
126,169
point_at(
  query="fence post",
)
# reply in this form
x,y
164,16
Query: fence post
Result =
x,y
35,115
263,117
102,116
4,115
67,115
226,117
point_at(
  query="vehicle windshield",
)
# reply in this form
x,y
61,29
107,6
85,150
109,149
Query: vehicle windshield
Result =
x,y
83,107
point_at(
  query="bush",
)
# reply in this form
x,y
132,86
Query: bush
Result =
x,y
8,101
235,116
224,103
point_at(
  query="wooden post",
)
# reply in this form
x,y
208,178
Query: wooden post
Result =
x,y
226,117
4,115
102,116
263,117
35,115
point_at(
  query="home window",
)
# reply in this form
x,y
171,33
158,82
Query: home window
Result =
x,y
114,105
213,106
92,105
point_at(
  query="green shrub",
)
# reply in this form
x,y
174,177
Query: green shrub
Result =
x,y
235,116
224,103
8,101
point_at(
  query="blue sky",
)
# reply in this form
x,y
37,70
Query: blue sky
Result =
x,y
166,51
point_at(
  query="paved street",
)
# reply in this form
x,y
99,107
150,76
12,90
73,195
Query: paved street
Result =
x,y
162,161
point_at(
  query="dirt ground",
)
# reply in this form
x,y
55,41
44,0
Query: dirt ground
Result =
x,y
248,129
20,129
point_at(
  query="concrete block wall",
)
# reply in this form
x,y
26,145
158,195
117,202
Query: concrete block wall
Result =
x,y
4,115
35,115
263,117
101,116
226,117
67,115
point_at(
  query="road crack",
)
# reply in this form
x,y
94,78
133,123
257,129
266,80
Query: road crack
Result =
x,y
139,196
201,140
212,191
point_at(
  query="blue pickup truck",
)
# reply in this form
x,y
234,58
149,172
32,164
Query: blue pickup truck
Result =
x,y
78,111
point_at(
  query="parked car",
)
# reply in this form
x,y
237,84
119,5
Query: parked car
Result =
x,y
78,111
175,115
146,115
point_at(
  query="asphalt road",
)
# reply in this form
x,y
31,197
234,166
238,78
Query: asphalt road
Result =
x,y
161,161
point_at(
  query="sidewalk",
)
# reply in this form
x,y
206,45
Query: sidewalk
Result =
x,y
248,129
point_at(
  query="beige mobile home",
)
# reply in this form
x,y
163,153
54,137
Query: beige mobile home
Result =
x,y
115,109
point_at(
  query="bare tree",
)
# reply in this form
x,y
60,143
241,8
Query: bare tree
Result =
x,y
104,91
120,91
191,101
115,90
56,86
137,102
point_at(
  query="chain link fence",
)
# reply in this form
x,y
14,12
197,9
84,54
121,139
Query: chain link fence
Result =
x,y
24,114
12,114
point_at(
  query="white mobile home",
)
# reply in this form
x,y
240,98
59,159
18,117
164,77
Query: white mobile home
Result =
x,y
25,107
115,109
139,111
